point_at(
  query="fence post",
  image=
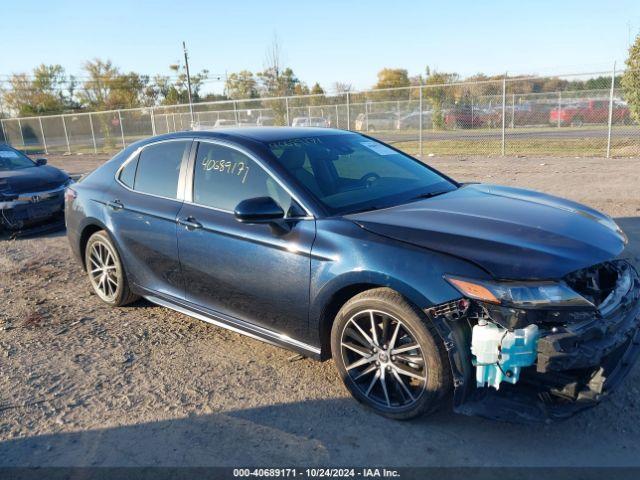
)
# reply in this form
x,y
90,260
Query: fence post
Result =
x,y
348,113
366,115
235,111
286,107
337,117
66,135
93,134
613,81
121,129
472,112
420,121
504,109
44,140
513,110
21,134
4,133
153,123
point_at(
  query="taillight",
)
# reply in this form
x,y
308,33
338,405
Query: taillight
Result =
x,y
69,194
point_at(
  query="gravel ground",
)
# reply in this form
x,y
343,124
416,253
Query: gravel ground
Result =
x,y
82,384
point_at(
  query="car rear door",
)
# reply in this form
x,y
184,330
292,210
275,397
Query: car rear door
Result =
x,y
257,273
143,207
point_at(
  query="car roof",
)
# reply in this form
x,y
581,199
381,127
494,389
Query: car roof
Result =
x,y
258,134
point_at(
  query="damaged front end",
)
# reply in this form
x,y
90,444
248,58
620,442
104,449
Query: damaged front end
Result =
x,y
544,351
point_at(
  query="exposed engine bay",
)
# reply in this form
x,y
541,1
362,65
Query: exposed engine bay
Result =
x,y
540,364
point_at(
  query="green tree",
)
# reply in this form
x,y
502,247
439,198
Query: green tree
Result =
x,y
318,95
106,88
631,80
241,85
46,91
392,78
173,90
440,94
278,83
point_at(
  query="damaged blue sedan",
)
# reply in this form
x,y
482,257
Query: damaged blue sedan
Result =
x,y
426,292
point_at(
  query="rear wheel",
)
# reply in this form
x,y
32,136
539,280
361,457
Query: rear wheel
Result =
x,y
389,356
106,272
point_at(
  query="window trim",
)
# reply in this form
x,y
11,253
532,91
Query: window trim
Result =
x,y
189,176
181,176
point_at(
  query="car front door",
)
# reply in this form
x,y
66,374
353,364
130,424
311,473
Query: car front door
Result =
x,y
258,273
143,207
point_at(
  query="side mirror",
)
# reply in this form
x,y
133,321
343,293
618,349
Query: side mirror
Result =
x,y
41,161
258,210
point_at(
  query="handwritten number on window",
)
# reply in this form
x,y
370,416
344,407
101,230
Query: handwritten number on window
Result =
x,y
239,169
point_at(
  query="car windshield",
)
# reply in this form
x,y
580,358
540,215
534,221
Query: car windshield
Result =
x,y
11,159
349,172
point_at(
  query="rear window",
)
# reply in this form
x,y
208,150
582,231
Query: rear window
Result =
x,y
159,168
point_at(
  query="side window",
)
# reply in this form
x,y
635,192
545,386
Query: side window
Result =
x,y
224,177
159,168
128,173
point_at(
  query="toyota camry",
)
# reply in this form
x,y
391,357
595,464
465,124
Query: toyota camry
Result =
x,y
425,292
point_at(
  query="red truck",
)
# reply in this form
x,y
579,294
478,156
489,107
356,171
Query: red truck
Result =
x,y
590,111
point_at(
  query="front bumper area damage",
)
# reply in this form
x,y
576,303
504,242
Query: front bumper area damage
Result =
x,y
579,356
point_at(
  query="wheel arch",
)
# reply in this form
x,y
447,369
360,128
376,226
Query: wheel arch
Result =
x,y
334,296
92,226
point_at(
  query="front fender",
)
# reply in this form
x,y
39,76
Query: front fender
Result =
x,y
345,255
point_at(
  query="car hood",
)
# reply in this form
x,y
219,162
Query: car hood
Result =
x,y
31,179
511,233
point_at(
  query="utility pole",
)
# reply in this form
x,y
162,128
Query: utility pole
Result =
x,y
186,64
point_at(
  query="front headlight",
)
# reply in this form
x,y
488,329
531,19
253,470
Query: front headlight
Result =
x,y
520,294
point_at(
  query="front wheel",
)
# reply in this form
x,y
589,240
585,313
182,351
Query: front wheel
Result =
x,y
389,356
106,271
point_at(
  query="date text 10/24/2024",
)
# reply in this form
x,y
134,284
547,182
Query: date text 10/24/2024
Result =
x,y
316,472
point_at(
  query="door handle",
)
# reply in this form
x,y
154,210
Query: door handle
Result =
x,y
189,223
115,205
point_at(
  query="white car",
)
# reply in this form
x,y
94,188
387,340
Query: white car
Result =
x,y
310,122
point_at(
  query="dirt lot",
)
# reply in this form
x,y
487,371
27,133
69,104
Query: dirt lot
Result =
x,y
85,385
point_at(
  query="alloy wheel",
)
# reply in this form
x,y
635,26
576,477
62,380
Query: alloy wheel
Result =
x,y
383,359
103,270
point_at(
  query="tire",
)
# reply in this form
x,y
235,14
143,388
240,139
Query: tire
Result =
x,y
372,373
577,122
110,282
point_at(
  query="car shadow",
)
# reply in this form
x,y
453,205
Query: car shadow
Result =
x,y
328,432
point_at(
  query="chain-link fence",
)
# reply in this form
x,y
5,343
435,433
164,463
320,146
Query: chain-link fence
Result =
x,y
512,116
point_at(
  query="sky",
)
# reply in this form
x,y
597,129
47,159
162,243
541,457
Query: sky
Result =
x,y
323,40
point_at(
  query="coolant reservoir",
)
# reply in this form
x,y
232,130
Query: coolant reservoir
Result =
x,y
500,354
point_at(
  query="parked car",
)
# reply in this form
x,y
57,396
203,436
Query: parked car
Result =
x,y
310,122
464,116
523,114
412,120
591,111
510,303
31,192
371,122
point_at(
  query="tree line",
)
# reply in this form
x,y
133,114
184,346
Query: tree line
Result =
x,y
104,86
